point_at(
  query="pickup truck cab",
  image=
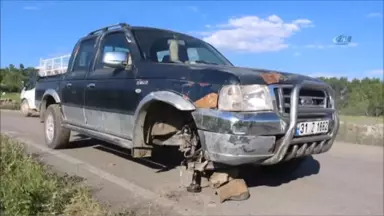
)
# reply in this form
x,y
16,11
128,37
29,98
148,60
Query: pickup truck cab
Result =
x,y
143,87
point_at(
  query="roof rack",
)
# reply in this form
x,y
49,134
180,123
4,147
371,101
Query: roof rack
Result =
x,y
104,29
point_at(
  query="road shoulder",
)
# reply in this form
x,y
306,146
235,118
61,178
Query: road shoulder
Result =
x,y
116,192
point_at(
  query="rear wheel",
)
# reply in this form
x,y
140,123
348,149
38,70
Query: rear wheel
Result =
x,y
56,136
24,108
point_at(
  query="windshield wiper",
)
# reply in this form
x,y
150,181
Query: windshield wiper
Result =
x,y
205,62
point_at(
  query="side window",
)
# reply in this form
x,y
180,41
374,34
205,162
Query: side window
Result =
x,y
193,54
84,56
202,54
114,42
161,55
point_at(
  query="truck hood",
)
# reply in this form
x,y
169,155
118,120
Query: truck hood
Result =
x,y
253,75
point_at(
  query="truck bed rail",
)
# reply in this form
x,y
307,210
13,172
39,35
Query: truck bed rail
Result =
x,y
53,66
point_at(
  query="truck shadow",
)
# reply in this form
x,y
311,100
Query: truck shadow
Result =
x,y
167,158
163,159
82,141
257,176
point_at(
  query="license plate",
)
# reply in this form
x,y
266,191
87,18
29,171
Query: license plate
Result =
x,y
311,127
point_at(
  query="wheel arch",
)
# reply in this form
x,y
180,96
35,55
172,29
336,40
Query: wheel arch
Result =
x,y
23,99
170,98
49,97
51,93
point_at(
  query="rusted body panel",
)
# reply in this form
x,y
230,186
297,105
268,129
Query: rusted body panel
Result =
x,y
208,101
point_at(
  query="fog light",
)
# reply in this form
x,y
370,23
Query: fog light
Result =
x,y
240,128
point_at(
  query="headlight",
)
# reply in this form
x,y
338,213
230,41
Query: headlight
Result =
x,y
245,98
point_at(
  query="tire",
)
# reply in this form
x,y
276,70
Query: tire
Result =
x,y
56,136
24,108
42,111
285,167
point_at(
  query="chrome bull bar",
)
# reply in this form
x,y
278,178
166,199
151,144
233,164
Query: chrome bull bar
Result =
x,y
305,149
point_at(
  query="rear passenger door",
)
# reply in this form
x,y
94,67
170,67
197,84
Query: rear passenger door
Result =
x,y
110,97
73,86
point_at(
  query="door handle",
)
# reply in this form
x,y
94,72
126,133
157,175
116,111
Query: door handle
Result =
x,y
69,85
91,85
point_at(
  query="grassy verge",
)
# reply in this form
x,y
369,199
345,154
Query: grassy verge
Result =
x,y
14,96
362,130
363,120
12,106
29,187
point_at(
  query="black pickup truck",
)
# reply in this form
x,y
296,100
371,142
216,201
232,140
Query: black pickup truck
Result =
x,y
143,87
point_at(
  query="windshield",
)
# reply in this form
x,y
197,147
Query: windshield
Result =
x,y
162,46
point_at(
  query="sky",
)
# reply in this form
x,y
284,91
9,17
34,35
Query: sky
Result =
x,y
290,36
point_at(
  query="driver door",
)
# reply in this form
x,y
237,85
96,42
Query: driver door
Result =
x,y
73,86
110,96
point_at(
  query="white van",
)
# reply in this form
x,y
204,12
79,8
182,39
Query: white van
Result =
x,y
27,96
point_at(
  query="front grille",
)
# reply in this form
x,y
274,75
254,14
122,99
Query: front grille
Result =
x,y
308,98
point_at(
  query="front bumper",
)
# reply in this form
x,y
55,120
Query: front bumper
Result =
x,y
265,138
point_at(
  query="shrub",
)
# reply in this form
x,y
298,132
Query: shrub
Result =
x,y
28,187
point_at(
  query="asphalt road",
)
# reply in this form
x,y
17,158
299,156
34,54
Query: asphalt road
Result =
x,y
347,180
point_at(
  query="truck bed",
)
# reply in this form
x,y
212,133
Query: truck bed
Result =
x,y
44,83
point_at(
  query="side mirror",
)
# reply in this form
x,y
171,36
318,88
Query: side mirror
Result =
x,y
116,59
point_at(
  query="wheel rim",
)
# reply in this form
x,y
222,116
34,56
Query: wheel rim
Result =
x,y
49,127
24,107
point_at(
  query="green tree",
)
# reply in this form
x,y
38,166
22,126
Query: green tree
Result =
x,y
11,78
358,97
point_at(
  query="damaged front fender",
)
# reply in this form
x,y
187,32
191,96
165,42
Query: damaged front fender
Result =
x,y
141,149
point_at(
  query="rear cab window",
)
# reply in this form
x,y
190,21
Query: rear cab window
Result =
x,y
84,56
